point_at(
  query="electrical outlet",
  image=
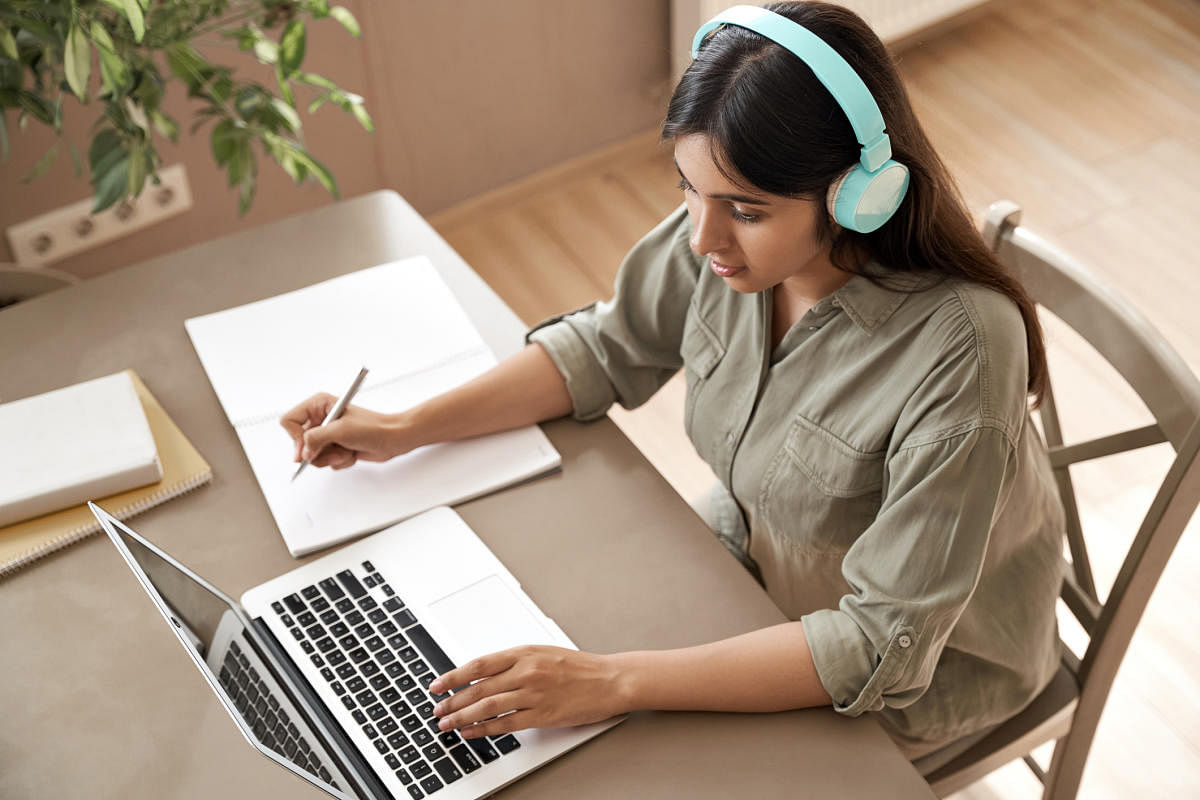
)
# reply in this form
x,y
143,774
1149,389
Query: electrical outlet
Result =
x,y
73,229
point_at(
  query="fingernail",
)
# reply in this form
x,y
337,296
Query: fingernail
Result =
x,y
437,709
435,687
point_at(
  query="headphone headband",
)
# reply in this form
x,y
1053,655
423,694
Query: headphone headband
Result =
x,y
830,68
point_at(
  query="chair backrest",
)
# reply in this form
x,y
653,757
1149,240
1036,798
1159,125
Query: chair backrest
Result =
x,y
1171,392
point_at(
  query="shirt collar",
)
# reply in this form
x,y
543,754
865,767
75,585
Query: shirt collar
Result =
x,y
867,303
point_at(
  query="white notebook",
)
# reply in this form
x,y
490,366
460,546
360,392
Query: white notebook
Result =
x,y
73,444
401,321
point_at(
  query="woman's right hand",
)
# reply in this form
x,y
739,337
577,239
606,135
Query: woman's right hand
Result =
x,y
358,434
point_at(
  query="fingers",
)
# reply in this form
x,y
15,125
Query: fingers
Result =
x,y
318,439
306,415
478,669
335,456
485,712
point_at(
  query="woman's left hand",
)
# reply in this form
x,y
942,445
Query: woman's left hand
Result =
x,y
529,687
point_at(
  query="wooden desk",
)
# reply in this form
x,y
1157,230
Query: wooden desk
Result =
x,y
99,701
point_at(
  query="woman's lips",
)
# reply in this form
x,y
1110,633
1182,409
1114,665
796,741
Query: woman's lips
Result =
x,y
724,270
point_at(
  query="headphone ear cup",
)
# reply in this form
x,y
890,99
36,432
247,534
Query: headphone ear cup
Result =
x,y
862,201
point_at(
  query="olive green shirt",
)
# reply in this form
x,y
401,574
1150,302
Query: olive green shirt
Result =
x,y
890,489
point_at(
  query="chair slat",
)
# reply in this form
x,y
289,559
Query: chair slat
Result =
x,y
1086,609
1063,455
1080,563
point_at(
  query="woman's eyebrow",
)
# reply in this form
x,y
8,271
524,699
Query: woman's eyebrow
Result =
x,y
736,198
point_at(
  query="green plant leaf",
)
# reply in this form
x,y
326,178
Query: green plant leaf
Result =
x,y
364,119
43,164
286,113
241,165
318,8
166,126
315,104
292,46
76,158
113,69
77,61
103,143
285,88
343,15
188,65
8,45
316,80
245,196
35,105
133,12
319,171
224,141
109,186
139,162
266,51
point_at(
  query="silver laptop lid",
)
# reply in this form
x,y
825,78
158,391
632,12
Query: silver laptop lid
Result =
x,y
231,656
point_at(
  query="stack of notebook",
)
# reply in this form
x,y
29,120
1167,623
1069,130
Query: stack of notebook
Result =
x,y
87,442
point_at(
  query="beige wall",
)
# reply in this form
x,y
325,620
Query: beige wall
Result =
x,y
466,96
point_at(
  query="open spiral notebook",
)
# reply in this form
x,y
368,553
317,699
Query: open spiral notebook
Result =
x,y
402,322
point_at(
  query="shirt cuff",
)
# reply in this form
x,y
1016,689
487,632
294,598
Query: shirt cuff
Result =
x,y
590,390
848,663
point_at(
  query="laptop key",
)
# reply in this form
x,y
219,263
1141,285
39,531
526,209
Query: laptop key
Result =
x,y
417,696
309,592
506,744
431,784
420,669
483,749
354,618
427,678
377,616
335,657
388,725
277,607
359,716
294,602
338,629
420,769
358,656
400,709
365,697
449,739
368,566
446,768
425,710
385,656
376,711
389,591
402,775
370,668
397,740
330,617
396,669
464,758
392,761
415,792
370,731
374,643
346,671
409,754
353,587
410,723
404,618
388,695
319,604
380,745
338,688
432,651
356,684
386,628
307,646
344,605
421,738
405,683
325,644
287,620
367,603
306,619
364,630
433,751
327,673
380,682
393,604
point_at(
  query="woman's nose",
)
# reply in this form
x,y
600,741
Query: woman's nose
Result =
x,y
708,234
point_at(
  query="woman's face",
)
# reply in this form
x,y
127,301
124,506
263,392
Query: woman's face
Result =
x,y
753,240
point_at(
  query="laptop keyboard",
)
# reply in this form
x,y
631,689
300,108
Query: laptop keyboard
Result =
x,y
379,660
262,711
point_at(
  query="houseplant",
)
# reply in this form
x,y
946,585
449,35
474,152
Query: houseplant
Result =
x,y
48,49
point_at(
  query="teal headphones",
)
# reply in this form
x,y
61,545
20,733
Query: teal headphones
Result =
x,y
867,194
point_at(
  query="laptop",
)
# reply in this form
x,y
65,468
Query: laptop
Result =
x,y
325,668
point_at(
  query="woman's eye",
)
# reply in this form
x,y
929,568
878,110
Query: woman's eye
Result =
x,y
740,217
683,184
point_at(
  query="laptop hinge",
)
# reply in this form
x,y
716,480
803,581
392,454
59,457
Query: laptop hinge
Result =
x,y
367,783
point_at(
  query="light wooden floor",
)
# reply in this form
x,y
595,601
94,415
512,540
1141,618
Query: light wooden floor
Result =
x,y
1088,115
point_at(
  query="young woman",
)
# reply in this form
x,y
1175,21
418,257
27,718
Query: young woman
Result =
x,y
859,384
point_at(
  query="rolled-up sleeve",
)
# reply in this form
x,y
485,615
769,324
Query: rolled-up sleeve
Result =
x,y
625,349
912,572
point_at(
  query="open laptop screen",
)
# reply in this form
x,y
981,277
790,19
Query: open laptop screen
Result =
x,y
214,632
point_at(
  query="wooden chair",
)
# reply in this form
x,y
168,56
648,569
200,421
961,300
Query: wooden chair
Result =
x,y
1068,710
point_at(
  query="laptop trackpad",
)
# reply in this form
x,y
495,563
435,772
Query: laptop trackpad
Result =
x,y
486,616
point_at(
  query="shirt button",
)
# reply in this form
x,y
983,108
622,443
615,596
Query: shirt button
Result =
x,y
904,641
812,327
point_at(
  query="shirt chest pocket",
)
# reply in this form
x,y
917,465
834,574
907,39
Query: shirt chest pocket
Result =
x,y
701,351
819,493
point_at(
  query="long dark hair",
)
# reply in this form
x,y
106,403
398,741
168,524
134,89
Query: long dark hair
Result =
x,y
771,121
